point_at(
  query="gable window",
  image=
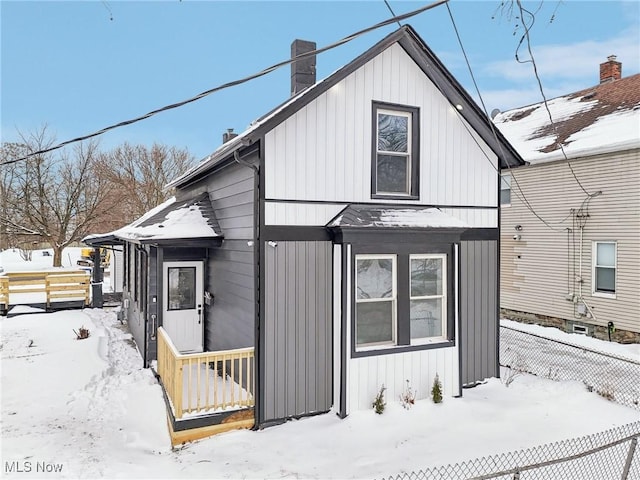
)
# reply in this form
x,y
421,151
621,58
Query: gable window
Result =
x,y
395,151
604,268
428,297
505,189
375,300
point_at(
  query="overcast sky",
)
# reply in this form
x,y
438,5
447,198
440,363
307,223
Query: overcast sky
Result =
x,y
80,66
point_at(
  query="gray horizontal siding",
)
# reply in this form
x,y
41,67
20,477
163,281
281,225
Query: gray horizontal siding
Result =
x,y
231,272
231,318
537,271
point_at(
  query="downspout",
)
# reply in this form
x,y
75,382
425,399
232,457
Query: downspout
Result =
x,y
257,306
580,297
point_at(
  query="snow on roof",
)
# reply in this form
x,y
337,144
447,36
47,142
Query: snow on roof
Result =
x,y
373,216
186,219
599,119
237,142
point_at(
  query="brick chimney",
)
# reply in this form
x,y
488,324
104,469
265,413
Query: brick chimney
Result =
x,y
610,70
303,71
228,135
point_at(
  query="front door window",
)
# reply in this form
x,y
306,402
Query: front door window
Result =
x,y
182,288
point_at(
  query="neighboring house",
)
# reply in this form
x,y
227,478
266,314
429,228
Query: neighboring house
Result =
x,y
582,271
349,238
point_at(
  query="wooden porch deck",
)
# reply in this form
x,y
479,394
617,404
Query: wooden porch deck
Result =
x,y
206,393
44,289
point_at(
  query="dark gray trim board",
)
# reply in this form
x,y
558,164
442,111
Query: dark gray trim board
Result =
x,y
344,326
295,233
259,342
380,204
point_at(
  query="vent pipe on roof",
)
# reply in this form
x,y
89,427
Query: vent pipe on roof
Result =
x,y
610,70
228,135
303,71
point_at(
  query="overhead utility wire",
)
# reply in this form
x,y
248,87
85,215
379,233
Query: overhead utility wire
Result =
x,y
234,82
544,98
392,12
493,130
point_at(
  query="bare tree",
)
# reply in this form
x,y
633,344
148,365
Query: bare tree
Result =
x,y
138,174
8,193
56,198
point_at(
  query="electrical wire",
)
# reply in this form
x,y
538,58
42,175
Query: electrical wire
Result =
x,y
232,83
539,81
392,12
492,126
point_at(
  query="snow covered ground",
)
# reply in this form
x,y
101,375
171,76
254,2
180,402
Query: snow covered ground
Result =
x,y
87,409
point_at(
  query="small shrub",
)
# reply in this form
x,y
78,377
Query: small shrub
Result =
x,y
82,334
511,372
379,403
436,390
408,397
606,391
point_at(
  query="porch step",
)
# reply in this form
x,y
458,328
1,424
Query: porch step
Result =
x,y
243,419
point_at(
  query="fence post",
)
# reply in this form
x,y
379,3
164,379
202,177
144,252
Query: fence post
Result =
x,y
627,465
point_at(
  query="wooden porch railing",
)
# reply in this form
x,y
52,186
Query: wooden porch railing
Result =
x,y
56,285
208,381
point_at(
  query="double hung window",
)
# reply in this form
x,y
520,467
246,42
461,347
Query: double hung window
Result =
x,y
401,300
428,296
395,153
376,300
604,268
505,189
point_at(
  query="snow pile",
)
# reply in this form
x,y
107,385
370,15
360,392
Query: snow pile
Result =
x,y
90,408
41,260
630,351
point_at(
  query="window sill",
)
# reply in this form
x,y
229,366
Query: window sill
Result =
x,y
360,352
398,196
611,296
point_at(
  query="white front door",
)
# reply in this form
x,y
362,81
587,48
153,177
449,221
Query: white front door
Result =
x,y
183,311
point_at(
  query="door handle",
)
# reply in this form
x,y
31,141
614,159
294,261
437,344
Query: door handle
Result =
x,y
199,314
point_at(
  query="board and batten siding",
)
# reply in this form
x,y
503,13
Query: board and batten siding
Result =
x,y
537,271
323,151
368,374
478,310
296,330
231,270
314,214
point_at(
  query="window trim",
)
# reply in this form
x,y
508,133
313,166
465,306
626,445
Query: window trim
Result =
x,y
413,143
444,297
504,176
402,252
393,299
594,254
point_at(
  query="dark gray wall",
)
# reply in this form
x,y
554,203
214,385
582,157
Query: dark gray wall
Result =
x,y
297,329
133,314
153,307
478,310
231,272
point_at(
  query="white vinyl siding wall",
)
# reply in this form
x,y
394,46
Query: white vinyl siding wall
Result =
x,y
533,274
323,152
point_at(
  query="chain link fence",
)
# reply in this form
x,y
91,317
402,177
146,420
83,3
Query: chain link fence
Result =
x,y
612,454
614,377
